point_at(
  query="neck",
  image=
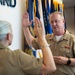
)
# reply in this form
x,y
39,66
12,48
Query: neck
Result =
x,y
59,33
4,43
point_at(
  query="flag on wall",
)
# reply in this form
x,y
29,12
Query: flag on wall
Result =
x,y
40,11
36,5
30,9
46,12
31,14
52,7
48,8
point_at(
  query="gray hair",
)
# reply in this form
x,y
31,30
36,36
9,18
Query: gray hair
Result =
x,y
5,28
57,12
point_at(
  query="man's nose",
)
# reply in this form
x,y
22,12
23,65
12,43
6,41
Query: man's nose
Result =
x,y
53,23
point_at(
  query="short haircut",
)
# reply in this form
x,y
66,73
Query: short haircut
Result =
x,y
57,12
5,28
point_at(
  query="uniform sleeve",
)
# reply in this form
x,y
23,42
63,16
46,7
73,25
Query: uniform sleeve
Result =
x,y
29,64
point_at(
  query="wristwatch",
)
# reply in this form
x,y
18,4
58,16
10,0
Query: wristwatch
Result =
x,y
69,61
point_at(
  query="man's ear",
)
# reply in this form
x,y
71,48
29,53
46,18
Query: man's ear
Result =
x,y
64,21
8,36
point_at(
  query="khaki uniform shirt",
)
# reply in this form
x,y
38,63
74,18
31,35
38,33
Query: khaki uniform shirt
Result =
x,y
18,63
64,47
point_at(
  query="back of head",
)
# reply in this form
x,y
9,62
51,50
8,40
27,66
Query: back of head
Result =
x,y
5,28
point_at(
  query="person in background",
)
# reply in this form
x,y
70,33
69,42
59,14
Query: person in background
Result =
x,y
18,62
62,43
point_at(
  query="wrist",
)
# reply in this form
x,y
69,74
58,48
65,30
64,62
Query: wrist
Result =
x,y
26,26
43,43
41,39
45,46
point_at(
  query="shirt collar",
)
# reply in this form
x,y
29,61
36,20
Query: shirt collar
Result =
x,y
3,46
65,36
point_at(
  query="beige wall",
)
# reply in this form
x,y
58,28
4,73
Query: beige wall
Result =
x,y
70,19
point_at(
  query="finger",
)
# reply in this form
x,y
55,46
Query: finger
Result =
x,y
36,22
26,15
39,25
56,58
31,22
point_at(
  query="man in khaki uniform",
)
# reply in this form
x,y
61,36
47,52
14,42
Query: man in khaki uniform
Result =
x,y
19,63
62,45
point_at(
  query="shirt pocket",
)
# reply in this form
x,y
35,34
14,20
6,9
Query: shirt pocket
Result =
x,y
66,51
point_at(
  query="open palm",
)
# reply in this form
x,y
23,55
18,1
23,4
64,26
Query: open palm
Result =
x,y
25,21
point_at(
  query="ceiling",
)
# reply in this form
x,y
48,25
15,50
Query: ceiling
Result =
x,y
68,3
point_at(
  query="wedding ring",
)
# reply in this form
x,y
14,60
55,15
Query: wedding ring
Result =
x,y
39,25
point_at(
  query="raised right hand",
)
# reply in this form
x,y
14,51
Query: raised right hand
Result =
x,y
25,20
39,28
